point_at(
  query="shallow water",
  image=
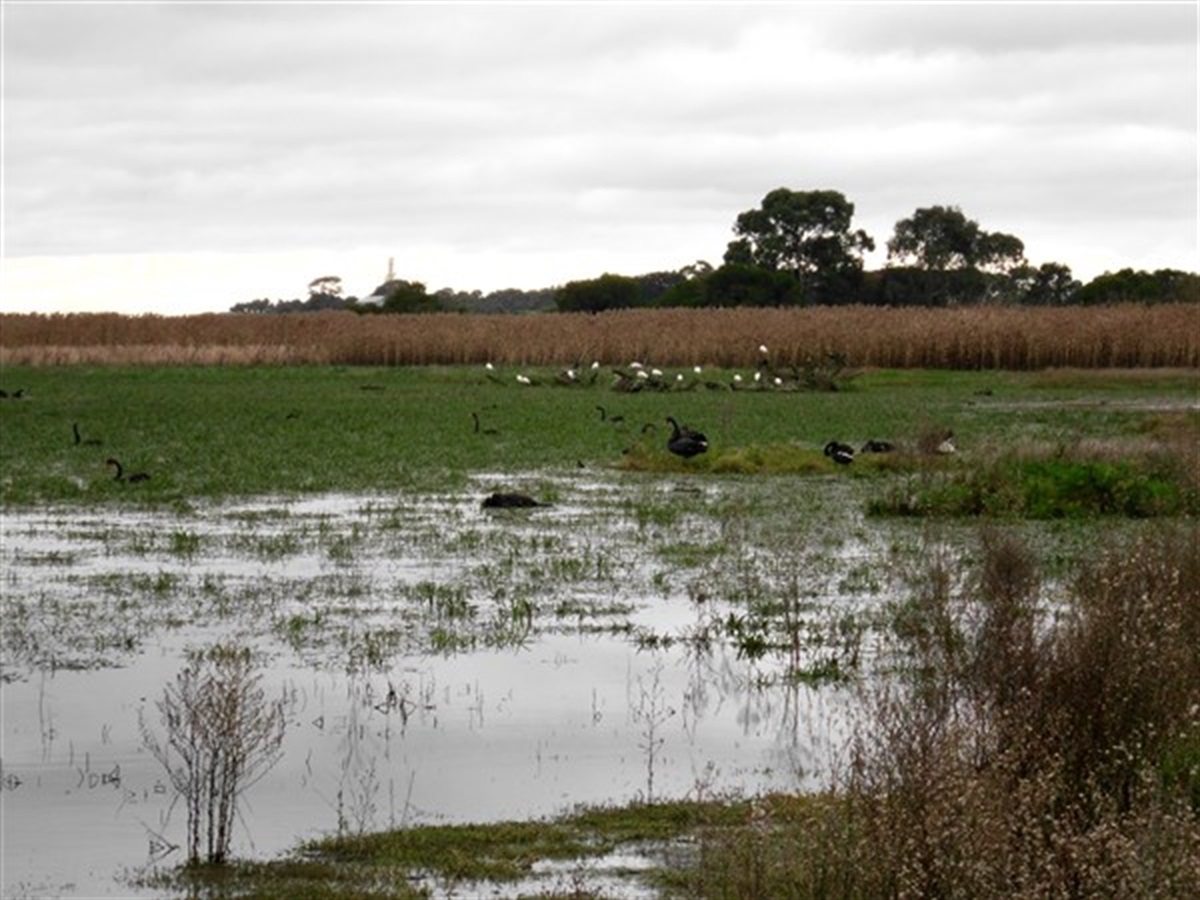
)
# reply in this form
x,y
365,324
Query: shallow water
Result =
x,y
438,663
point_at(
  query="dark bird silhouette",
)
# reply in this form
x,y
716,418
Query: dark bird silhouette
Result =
x,y
874,446
481,430
80,441
121,476
605,417
842,454
684,441
508,500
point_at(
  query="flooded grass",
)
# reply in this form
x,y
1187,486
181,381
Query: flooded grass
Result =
x,y
461,622
660,631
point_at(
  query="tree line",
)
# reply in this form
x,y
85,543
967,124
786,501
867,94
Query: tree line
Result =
x,y
800,248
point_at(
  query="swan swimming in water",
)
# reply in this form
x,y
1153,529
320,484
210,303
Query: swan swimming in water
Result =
x,y
508,500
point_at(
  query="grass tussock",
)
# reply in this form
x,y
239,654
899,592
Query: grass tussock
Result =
x,y
1022,755
465,860
976,338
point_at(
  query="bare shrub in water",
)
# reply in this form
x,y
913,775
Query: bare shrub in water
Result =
x,y
1027,751
223,734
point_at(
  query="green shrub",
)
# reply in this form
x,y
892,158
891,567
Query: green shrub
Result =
x,y
1043,489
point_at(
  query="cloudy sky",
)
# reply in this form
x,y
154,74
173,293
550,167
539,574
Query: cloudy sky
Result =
x,y
182,157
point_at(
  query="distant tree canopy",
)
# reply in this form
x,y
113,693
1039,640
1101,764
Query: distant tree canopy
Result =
x,y
941,238
735,284
939,257
314,303
401,296
1050,284
1128,285
517,300
326,286
598,294
798,247
323,293
805,233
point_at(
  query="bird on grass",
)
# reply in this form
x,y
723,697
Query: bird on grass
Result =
x,y
81,441
120,473
510,500
873,446
481,430
842,454
684,441
946,446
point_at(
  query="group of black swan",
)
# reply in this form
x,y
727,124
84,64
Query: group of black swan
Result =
x,y
843,454
118,470
687,443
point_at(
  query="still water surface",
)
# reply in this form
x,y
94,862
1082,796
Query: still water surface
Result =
x,y
387,627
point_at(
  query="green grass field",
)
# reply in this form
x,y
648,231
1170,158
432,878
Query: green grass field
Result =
x,y
217,432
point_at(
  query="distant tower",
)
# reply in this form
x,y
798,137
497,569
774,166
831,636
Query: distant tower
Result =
x,y
391,275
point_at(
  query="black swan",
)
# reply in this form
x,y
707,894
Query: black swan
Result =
x,y
121,476
79,440
478,429
878,447
684,441
842,454
504,500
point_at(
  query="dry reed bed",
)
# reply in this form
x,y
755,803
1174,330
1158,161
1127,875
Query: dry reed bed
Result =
x,y
976,338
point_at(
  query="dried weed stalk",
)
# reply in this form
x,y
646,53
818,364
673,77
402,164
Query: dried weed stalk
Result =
x,y
223,734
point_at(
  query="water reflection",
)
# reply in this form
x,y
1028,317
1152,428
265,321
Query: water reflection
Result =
x,y
439,663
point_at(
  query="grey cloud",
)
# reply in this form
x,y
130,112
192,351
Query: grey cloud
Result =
x,y
988,27
256,127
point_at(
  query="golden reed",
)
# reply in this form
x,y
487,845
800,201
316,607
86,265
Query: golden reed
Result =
x,y
1120,336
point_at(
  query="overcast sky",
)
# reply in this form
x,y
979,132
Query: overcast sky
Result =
x,y
183,157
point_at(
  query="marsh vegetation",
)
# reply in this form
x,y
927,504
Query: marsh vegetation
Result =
x,y
983,662
1130,335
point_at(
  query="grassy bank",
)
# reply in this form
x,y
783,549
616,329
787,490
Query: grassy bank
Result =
x,y
213,432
